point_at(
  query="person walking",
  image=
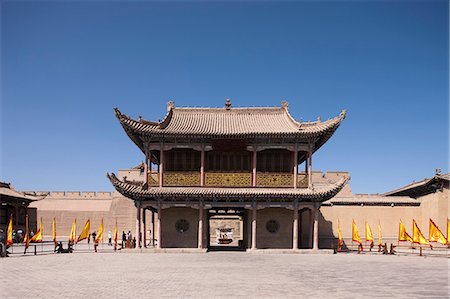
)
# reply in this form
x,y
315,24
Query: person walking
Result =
x,y
124,239
109,238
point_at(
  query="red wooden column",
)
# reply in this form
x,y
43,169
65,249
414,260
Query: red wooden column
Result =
x,y
159,226
161,167
153,227
316,228
138,226
254,215
254,167
310,169
144,228
200,227
146,167
295,167
202,167
295,228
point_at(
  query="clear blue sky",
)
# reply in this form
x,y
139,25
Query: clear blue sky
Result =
x,y
65,65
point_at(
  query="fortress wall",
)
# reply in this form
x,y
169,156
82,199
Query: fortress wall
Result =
x,y
66,206
436,207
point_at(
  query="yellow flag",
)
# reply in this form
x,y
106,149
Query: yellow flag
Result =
x,y
340,239
435,234
115,234
26,240
417,235
9,238
54,231
402,234
99,236
380,236
38,235
85,232
448,230
73,231
369,235
355,234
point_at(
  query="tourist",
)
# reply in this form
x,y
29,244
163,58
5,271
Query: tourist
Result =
x,y
89,238
109,238
94,234
124,238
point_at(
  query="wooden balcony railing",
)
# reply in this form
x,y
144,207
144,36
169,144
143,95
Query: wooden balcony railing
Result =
x,y
225,179
153,179
229,179
274,180
302,180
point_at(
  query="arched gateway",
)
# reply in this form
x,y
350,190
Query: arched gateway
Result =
x,y
204,162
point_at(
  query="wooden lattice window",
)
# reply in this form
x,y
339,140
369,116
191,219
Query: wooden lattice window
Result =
x,y
182,160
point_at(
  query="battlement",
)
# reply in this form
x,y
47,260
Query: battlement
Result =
x,y
74,194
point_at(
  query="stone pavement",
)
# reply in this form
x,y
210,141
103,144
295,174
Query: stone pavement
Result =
x,y
222,275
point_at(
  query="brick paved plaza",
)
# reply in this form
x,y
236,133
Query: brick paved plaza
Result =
x,y
222,274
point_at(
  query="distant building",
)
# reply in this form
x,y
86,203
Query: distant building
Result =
x,y
15,205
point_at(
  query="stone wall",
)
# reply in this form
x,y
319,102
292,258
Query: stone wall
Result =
x,y
171,237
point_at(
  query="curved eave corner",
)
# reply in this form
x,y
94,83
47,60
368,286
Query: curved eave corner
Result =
x,y
137,192
326,135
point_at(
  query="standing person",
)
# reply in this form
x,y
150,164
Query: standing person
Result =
x,y
109,238
124,239
89,238
94,234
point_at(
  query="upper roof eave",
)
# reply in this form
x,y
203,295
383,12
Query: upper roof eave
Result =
x,y
137,129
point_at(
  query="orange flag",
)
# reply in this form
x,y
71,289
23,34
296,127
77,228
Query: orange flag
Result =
x,y
355,233
435,234
99,236
54,231
38,235
9,237
417,235
340,239
85,232
369,235
402,234
26,240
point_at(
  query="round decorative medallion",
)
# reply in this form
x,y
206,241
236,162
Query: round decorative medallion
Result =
x,y
272,226
182,225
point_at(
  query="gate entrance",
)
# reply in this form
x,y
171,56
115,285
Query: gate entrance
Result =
x,y
227,230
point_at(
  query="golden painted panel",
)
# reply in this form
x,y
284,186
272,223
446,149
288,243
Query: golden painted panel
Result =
x,y
153,179
302,181
181,179
225,179
264,179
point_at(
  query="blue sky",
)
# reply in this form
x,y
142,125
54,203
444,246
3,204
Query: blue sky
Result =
x,y
65,65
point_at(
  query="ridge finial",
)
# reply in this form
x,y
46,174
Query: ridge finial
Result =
x,y
228,104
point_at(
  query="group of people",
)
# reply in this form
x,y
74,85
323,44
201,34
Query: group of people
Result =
x,y
128,241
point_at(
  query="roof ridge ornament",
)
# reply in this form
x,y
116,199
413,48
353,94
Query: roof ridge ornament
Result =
x,y
284,104
170,105
227,104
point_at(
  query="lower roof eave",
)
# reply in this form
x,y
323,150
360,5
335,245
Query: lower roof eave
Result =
x,y
205,194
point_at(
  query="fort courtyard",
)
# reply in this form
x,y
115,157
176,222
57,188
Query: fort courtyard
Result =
x,y
223,275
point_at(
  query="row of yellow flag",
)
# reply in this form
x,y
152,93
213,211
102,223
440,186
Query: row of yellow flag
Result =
x,y
85,233
435,234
